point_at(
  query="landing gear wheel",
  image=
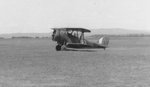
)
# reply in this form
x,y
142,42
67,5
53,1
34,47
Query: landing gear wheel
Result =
x,y
63,47
58,47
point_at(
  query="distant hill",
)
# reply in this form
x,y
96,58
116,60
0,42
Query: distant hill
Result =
x,y
117,31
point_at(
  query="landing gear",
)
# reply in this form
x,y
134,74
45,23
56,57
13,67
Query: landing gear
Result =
x,y
58,47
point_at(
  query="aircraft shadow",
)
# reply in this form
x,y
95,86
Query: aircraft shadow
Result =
x,y
80,50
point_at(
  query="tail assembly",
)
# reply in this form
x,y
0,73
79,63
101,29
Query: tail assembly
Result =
x,y
103,41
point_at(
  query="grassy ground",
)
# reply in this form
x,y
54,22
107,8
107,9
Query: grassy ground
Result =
x,y
35,63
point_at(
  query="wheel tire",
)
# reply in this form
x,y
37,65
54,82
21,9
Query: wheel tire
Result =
x,y
63,47
58,48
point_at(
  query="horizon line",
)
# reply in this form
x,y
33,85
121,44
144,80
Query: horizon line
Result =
x,y
142,31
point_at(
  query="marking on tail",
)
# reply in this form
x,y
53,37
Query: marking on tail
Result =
x,y
100,40
104,41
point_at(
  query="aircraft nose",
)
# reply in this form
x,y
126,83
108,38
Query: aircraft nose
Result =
x,y
53,37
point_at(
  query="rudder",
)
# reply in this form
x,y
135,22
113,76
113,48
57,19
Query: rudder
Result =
x,y
104,41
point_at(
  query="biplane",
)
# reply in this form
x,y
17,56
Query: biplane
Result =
x,y
74,38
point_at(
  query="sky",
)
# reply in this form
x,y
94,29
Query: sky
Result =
x,y
38,16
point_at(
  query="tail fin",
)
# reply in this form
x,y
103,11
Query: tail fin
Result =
x,y
104,41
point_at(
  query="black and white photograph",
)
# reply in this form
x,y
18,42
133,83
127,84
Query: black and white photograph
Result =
x,y
74,43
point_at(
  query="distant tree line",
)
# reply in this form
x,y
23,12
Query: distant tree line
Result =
x,y
23,37
2,38
27,37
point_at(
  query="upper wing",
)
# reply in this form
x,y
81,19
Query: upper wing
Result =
x,y
73,29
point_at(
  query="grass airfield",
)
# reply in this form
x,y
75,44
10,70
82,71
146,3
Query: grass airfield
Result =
x,y
35,63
